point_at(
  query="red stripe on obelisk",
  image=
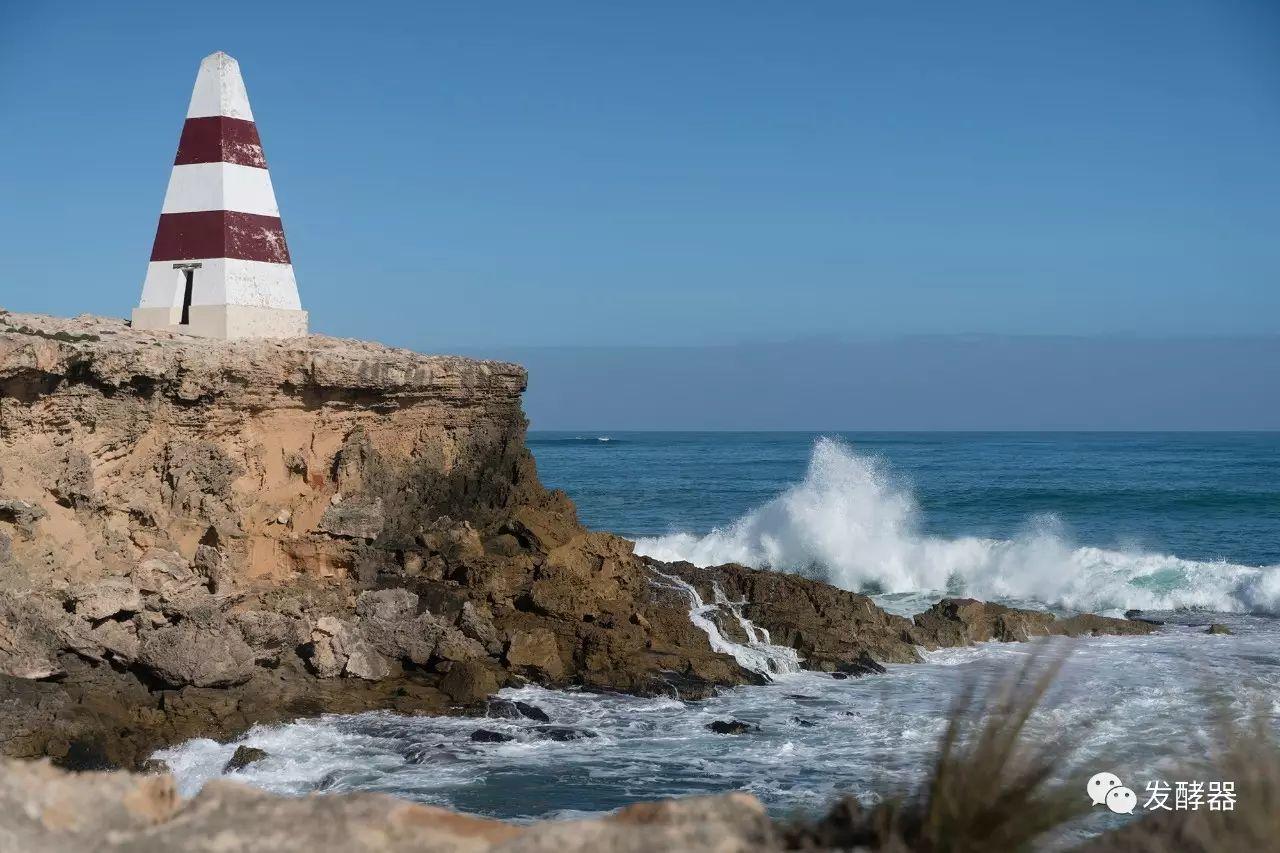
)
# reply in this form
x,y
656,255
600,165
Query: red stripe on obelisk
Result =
x,y
220,234
219,139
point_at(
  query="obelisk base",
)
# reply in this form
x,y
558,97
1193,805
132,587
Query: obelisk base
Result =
x,y
224,321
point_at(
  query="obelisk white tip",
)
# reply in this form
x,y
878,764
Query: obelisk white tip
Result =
x,y
219,89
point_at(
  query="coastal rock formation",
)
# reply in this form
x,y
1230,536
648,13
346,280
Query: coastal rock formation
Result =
x,y
200,535
964,621
838,631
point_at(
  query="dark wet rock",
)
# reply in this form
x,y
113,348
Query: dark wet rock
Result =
x,y
503,709
243,757
490,736
509,710
828,626
963,621
330,780
563,733
803,723
839,676
1218,628
863,665
155,765
732,727
532,712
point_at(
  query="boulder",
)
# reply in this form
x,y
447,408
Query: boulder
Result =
x,y
331,642
503,709
363,661
469,682
454,646
105,598
167,575
490,736
532,712
506,709
1218,628
201,655
963,621
535,651
827,626
269,631
563,733
118,639
243,757
732,727
478,625
862,665
414,640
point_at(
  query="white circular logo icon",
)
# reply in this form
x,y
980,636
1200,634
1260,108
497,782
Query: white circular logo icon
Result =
x,y
1122,800
1100,785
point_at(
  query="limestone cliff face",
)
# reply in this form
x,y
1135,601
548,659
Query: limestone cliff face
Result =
x,y
199,535
287,456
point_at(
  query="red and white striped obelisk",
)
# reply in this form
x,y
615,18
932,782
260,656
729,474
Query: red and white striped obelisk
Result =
x,y
220,267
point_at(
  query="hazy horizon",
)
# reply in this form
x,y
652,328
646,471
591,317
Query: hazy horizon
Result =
x,y
915,383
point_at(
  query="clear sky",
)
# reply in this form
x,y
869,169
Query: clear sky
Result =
x,y
479,175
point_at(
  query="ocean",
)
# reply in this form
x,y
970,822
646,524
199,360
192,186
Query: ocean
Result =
x,y
1185,525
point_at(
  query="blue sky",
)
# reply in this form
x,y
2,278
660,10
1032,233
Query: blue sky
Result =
x,y
488,174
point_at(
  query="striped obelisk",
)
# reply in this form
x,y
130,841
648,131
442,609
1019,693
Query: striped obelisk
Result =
x,y
220,266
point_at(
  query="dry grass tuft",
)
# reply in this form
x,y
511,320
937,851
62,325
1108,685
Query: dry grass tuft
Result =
x,y
992,787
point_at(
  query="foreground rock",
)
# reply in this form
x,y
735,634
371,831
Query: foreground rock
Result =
x,y
43,810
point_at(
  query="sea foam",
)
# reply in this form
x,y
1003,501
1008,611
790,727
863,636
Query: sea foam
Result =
x,y
849,523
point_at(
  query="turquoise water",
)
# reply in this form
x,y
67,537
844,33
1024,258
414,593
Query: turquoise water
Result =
x,y
1091,522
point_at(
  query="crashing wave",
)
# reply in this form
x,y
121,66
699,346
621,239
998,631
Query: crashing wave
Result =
x,y
848,523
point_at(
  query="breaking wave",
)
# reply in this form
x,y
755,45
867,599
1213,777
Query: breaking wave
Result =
x,y
850,524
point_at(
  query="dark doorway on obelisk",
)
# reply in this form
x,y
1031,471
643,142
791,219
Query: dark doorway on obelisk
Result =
x,y
186,297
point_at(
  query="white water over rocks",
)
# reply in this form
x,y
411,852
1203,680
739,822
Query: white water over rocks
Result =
x,y
1142,697
850,524
758,655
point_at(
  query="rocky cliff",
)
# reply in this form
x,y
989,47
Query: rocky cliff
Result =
x,y
199,535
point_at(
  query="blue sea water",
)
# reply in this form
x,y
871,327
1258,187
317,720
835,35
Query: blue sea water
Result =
x,y
1201,496
1084,521
1187,525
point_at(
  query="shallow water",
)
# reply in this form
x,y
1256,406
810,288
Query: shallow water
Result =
x,y
1150,700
